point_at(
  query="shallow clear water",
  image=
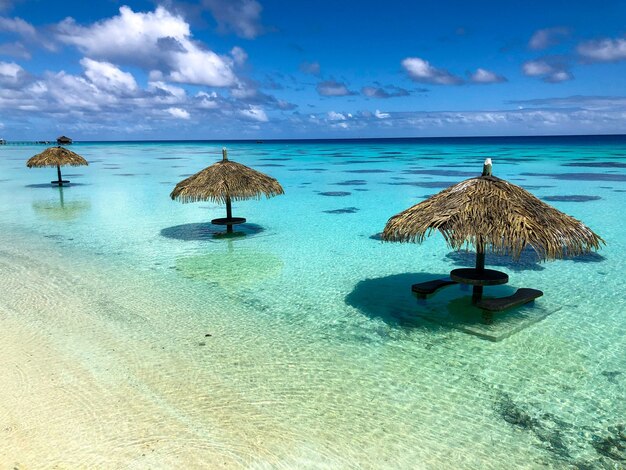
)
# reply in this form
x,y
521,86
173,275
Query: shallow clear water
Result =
x,y
316,358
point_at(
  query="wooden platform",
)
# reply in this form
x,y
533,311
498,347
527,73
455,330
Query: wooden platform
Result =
x,y
227,221
430,287
521,297
475,277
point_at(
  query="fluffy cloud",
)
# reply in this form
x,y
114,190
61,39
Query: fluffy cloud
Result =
x,y
11,74
239,55
333,88
107,76
390,91
603,50
544,38
243,17
178,113
254,113
155,40
486,76
335,116
14,49
17,26
420,70
548,72
380,115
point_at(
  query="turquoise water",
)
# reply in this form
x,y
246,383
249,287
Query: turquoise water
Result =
x,y
317,355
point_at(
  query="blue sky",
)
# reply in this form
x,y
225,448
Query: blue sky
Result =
x,y
230,69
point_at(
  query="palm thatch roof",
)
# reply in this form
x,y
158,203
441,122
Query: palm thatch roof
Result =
x,y
226,180
64,140
493,214
56,156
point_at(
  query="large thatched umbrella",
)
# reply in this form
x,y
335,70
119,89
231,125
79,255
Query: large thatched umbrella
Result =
x,y
223,182
56,156
493,215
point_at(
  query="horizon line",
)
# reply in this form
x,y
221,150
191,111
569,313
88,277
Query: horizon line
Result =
x,y
326,139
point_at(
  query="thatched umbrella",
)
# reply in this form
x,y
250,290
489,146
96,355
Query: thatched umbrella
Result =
x,y
64,140
493,215
223,182
56,156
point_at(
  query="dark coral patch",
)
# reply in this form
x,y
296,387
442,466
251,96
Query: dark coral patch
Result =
x,y
351,183
571,198
335,193
441,172
596,164
581,176
424,184
345,210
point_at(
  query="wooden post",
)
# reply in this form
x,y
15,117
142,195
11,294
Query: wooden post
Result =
x,y
229,215
59,175
229,210
477,291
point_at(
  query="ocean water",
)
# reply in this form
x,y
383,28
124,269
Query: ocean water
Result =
x,y
134,338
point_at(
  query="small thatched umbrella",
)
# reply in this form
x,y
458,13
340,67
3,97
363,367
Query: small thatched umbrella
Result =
x,y
223,182
56,156
64,140
493,215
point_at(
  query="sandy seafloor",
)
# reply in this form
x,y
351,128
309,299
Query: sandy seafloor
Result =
x,y
131,338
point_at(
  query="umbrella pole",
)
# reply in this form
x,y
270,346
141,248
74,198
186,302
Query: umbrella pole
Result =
x,y
59,175
477,292
229,215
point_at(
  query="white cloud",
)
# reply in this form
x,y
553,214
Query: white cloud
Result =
x,y
14,49
107,76
333,88
603,50
335,116
207,100
239,55
544,38
551,73
165,93
420,70
380,115
178,113
254,113
486,76
10,70
239,16
11,74
389,91
157,40
17,26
